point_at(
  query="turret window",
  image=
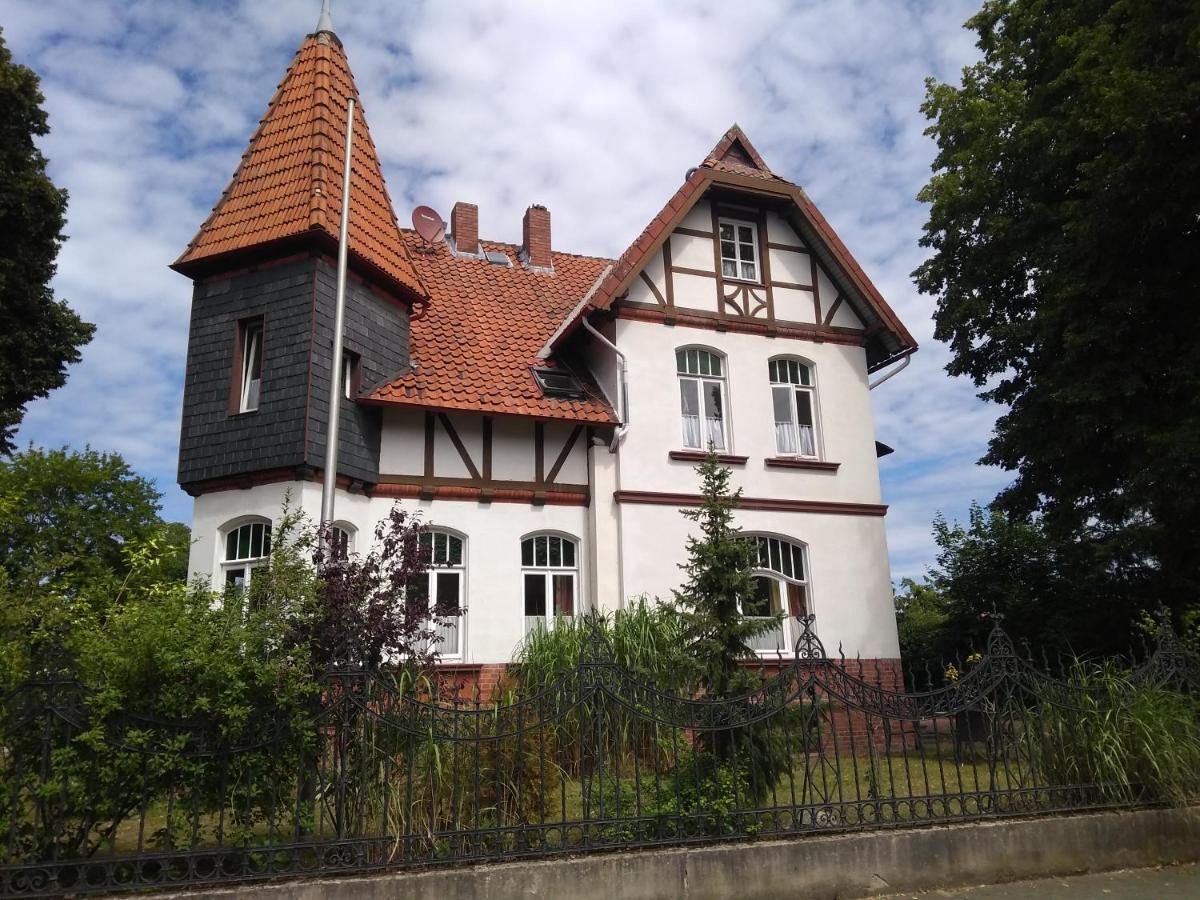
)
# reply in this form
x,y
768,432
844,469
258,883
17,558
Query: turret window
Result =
x,y
247,547
249,364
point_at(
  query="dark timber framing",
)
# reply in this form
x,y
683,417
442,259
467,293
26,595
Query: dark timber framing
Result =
x,y
657,498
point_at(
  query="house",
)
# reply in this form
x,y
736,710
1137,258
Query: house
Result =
x,y
544,409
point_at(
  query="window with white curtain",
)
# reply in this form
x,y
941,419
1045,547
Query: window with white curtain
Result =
x,y
447,576
702,398
247,547
780,588
550,576
793,400
739,249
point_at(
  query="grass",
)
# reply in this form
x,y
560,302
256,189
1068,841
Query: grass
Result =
x,y
814,793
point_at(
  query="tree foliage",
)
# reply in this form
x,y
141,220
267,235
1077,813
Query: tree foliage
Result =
x,y
1048,592
66,518
1064,222
39,335
720,560
375,607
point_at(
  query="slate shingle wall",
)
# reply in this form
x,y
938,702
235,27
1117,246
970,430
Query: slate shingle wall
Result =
x,y
215,444
377,330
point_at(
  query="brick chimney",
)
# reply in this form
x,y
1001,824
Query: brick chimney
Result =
x,y
535,238
464,227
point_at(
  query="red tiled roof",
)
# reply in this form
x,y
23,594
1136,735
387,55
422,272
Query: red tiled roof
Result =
x,y
289,181
732,158
485,327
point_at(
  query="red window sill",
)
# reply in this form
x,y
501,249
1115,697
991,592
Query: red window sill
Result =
x,y
699,456
788,462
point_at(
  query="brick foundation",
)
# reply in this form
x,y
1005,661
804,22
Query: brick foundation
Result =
x,y
470,681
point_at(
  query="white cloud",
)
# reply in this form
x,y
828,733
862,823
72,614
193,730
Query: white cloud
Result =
x,y
593,109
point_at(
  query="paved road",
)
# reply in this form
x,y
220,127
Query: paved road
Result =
x,y
1175,883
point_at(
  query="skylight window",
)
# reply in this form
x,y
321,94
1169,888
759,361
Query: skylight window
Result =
x,y
555,383
497,258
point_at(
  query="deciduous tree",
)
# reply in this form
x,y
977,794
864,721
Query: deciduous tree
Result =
x,y
39,335
1064,224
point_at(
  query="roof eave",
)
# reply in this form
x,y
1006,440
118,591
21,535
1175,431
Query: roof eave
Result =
x,y
315,237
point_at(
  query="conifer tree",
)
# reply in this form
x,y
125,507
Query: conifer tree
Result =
x,y
719,578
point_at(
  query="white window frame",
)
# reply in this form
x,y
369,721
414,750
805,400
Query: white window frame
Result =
x,y
450,629
738,260
769,546
247,564
549,571
350,363
795,443
250,389
698,435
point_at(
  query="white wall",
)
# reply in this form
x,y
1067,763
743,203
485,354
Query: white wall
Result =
x,y
402,450
845,425
494,622
850,591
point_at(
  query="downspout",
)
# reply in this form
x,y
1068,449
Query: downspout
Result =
x,y
622,390
900,368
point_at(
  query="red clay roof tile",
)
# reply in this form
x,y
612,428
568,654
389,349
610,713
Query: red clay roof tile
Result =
x,y
485,328
289,181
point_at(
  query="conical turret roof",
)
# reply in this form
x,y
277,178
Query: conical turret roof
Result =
x,y
288,185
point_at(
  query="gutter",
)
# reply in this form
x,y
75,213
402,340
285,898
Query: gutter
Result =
x,y
622,390
904,361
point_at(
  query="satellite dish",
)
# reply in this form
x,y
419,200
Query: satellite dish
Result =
x,y
429,225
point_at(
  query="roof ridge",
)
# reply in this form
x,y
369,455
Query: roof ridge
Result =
x,y
510,245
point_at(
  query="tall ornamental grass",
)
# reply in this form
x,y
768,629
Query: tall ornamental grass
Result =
x,y
1132,742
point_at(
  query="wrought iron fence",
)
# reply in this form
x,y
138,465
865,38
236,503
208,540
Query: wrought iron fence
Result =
x,y
383,774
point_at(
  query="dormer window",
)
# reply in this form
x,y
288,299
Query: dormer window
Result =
x,y
556,383
739,249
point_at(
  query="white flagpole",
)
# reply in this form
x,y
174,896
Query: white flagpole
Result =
x,y
339,322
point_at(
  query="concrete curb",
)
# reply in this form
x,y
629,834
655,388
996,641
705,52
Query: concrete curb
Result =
x,y
832,866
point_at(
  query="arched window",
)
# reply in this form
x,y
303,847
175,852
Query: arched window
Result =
x,y
702,398
780,586
550,575
447,587
795,408
247,547
342,537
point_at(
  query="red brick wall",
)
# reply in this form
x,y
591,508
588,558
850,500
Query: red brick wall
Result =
x,y
536,236
464,227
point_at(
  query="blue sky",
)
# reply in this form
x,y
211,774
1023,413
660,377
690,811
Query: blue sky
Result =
x,y
594,109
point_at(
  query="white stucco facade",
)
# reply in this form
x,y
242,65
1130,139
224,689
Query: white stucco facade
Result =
x,y
493,480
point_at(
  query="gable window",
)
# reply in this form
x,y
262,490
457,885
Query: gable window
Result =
x,y
701,398
739,249
550,575
447,587
247,547
780,587
248,366
794,404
